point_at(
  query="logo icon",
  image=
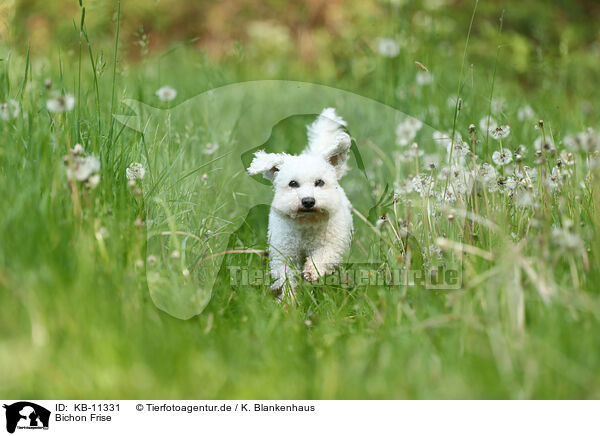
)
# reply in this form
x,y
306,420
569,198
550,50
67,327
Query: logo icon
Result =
x,y
26,415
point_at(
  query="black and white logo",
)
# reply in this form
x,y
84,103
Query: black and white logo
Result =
x,y
26,415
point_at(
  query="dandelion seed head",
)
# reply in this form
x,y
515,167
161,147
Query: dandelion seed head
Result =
x,y
498,105
424,78
587,141
487,173
81,168
566,239
525,199
9,110
431,162
60,103
407,130
510,184
545,146
93,181
166,93
388,47
453,102
78,150
487,123
210,148
525,113
139,263
500,132
502,157
135,171
422,184
521,149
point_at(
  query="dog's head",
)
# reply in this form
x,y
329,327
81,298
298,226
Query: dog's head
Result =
x,y
306,186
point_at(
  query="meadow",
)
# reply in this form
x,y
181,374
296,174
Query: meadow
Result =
x,y
125,207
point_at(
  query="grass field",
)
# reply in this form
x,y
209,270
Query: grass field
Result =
x,y
95,264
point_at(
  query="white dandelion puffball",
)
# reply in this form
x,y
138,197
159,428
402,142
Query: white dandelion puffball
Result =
x,y
78,150
501,158
500,132
567,158
487,174
498,105
566,239
210,148
455,102
444,139
61,103
83,168
414,123
424,78
388,47
166,93
510,183
407,130
135,171
525,199
93,180
9,110
587,141
487,123
548,145
525,113
422,185
403,187
431,162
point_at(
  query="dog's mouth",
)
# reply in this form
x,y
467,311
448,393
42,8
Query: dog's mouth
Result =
x,y
313,213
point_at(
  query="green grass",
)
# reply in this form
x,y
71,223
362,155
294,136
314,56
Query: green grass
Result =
x,y
78,317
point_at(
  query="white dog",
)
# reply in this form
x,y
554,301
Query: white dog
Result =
x,y
310,223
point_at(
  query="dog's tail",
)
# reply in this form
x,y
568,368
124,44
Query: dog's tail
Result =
x,y
323,131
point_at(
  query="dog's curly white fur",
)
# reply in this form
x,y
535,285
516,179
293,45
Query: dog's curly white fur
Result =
x,y
310,223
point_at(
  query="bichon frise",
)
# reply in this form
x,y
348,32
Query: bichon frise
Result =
x,y
310,223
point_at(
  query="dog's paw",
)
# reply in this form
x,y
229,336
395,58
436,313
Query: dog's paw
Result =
x,y
277,285
310,273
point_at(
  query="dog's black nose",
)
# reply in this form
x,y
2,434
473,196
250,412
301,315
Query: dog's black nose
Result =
x,y
308,202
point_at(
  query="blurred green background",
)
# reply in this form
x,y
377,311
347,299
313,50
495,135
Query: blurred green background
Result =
x,y
315,34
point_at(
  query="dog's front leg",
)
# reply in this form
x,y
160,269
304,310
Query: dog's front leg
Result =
x,y
284,277
320,262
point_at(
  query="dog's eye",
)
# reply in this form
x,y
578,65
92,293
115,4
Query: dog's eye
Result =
x,y
319,183
293,184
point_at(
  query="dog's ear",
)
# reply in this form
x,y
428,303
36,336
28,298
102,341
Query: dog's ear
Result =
x,y
337,153
266,164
